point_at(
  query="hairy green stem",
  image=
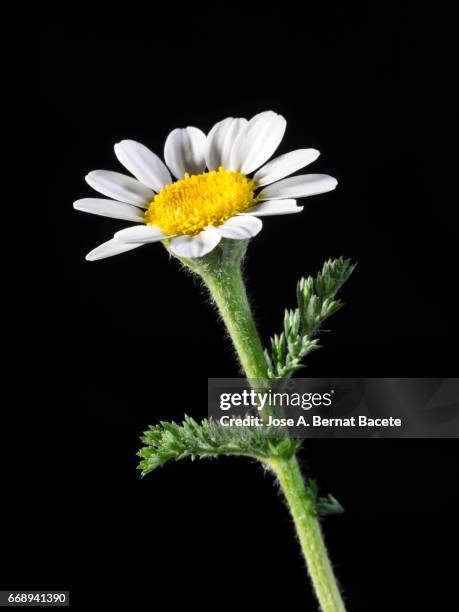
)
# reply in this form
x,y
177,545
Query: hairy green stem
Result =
x,y
221,272
229,294
303,511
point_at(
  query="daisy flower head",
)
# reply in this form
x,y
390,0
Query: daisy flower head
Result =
x,y
222,184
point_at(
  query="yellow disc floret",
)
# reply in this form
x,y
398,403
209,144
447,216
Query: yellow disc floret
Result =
x,y
194,202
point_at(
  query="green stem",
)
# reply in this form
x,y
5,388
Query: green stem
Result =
x,y
302,508
221,272
228,292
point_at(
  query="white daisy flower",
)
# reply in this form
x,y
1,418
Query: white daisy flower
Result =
x,y
216,195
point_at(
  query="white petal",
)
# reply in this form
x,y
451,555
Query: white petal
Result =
x,y
110,208
140,234
120,187
258,141
220,141
284,165
299,186
108,249
145,165
184,151
215,141
240,227
195,246
237,127
273,207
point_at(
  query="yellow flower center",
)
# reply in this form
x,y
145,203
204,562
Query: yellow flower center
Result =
x,y
194,202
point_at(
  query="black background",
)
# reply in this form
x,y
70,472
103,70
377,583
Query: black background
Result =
x,y
114,345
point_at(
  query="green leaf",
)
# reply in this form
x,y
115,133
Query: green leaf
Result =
x,y
315,303
172,441
324,506
328,505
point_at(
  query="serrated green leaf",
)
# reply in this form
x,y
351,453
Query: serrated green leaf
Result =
x,y
328,505
315,303
172,441
324,506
